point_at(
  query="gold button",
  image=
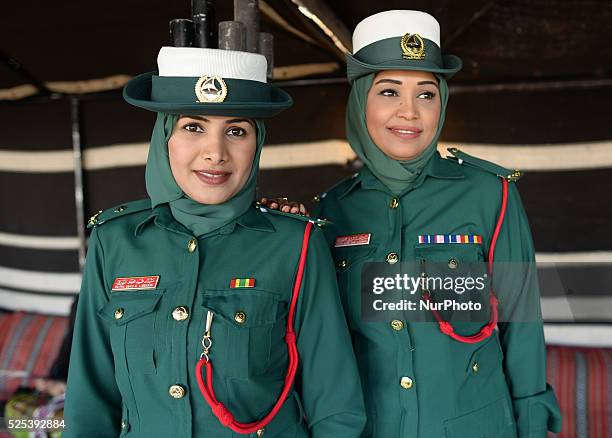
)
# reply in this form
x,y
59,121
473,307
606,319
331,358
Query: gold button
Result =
x,y
120,209
180,313
260,432
176,391
392,258
123,424
192,245
240,317
475,367
394,203
406,382
118,313
342,264
397,325
452,263
317,198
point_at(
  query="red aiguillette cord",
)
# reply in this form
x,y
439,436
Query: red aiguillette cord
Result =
x,y
221,412
485,332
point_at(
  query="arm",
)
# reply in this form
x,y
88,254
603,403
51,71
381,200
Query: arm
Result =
x,y
93,402
328,377
521,330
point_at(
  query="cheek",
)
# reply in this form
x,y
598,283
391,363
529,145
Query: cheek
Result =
x,y
375,117
243,157
179,156
433,117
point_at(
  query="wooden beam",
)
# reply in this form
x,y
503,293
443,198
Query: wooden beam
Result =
x,y
321,14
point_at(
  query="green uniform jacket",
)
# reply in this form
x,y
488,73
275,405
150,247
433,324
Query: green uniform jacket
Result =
x,y
134,352
417,381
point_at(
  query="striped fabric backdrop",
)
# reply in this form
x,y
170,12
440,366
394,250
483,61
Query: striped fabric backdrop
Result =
x,y
582,378
565,189
30,345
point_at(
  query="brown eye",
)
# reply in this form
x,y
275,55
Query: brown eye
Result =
x,y
427,95
193,127
389,92
236,132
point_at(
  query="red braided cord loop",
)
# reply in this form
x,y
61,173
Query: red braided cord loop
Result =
x,y
487,330
206,388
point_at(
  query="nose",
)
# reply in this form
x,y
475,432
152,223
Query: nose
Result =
x,y
213,149
408,109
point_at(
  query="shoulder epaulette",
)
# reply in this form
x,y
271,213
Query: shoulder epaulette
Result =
x,y
316,221
318,198
120,210
461,158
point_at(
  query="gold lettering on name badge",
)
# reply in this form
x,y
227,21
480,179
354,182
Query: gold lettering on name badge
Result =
x,y
413,46
211,89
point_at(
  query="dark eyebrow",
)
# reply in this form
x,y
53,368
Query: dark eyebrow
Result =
x,y
204,119
427,82
392,81
249,121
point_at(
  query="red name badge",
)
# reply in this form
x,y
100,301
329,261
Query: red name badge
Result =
x,y
353,240
136,283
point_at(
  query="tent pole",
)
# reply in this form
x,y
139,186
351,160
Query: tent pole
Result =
x,y
75,115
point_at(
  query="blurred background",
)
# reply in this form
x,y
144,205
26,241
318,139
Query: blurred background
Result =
x,y
534,94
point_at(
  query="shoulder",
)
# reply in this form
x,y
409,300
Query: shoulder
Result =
x,y
134,210
288,222
338,189
477,168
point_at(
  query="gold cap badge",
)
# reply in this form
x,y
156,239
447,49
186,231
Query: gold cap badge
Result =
x,y
211,89
413,46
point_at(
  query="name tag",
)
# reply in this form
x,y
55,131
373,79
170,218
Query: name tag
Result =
x,y
136,283
353,240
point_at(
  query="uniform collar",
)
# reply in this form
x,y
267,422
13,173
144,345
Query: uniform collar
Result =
x,y
436,167
161,215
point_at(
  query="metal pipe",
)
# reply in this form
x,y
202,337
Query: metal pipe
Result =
x,y
75,115
232,36
247,12
181,32
203,14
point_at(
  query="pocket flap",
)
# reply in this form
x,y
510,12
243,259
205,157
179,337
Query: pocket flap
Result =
x,y
445,253
245,309
345,257
486,357
492,420
124,307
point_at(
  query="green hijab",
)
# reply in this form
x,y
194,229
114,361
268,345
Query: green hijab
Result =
x,y
397,175
199,218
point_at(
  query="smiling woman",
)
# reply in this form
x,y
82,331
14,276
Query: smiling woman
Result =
x,y
198,262
486,377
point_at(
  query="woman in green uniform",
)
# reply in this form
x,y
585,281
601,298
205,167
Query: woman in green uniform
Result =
x,y
484,378
199,314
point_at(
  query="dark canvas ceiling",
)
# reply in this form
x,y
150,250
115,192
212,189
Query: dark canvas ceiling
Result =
x,y
498,40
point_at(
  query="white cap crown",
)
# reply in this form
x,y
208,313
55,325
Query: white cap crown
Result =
x,y
396,23
196,62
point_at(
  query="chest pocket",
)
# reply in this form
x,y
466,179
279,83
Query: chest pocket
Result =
x,y
247,331
456,272
348,259
131,316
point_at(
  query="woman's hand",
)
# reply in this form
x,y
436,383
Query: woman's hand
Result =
x,y
284,205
